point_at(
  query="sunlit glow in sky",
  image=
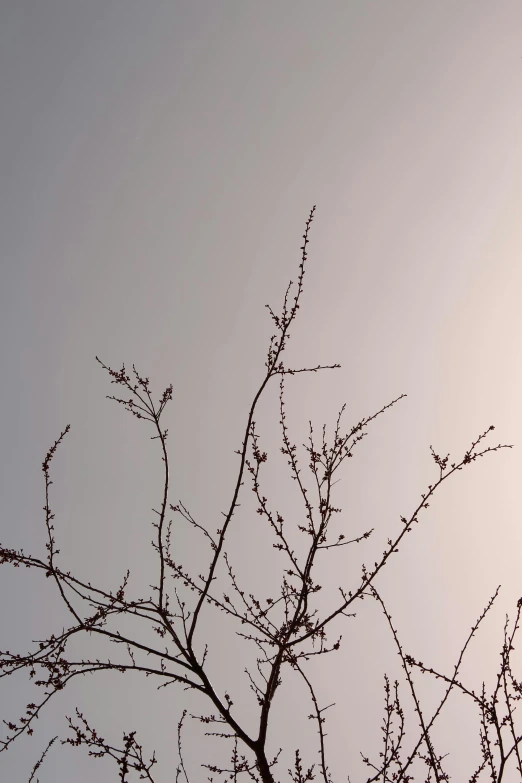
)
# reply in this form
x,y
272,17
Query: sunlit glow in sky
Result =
x,y
158,163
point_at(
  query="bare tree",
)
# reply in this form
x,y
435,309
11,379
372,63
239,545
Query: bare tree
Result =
x,y
285,630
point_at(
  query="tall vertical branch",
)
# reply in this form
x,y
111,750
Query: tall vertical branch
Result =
x,y
274,366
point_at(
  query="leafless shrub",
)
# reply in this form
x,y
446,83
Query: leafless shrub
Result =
x,y
286,629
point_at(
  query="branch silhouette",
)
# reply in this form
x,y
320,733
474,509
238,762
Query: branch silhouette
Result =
x,y
285,630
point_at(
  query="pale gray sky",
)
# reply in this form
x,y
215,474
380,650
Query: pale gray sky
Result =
x,y
158,161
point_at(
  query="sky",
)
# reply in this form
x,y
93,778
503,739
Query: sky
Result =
x,y
158,162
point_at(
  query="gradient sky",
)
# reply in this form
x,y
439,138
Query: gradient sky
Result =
x,y
158,161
